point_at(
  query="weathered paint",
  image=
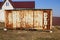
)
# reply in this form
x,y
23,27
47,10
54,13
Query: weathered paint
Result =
x,y
32,18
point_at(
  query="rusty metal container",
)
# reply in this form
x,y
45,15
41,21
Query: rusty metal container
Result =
x,y
29,18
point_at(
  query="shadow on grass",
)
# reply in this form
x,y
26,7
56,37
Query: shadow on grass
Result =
x,y
45,38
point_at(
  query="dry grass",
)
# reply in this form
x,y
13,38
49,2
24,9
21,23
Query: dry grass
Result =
x,y
30,35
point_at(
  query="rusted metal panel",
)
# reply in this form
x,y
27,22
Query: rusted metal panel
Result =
x,y
34,19
28,18
38,19
8,20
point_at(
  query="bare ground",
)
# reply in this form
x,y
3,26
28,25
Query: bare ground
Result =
x,y
30,35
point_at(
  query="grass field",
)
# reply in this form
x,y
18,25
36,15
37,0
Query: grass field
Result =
x,y
29,35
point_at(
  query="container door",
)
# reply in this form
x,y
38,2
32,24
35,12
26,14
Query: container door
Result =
x,y
47,20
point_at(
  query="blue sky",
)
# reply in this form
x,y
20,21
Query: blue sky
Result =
x,y
46,4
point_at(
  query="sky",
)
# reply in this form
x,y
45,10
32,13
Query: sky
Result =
x,y
49,4
46,4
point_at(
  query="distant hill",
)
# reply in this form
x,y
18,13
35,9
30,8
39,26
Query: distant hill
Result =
x,y
56,21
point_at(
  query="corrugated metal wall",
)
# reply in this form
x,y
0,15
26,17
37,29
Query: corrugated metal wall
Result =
x,y
35,19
